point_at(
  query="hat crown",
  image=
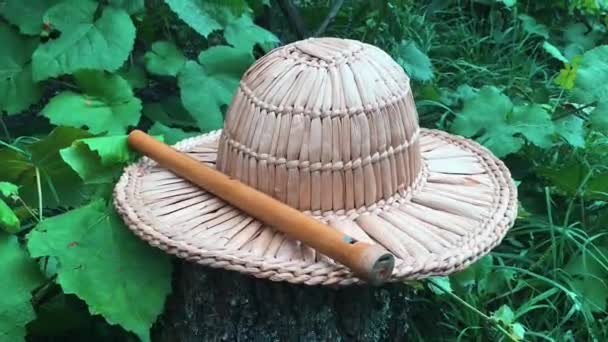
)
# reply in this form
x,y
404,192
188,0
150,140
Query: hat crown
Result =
x,y
325,125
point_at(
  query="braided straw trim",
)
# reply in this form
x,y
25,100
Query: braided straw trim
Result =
x,y
471,247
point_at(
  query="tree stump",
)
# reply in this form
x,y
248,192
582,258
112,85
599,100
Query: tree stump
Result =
x,y
217,305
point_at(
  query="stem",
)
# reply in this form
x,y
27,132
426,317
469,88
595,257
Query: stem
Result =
x,y
294,18
28,208
335,8
39,186
559,98
13,147
475,310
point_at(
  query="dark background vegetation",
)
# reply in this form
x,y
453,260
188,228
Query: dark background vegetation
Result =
x,y
528,79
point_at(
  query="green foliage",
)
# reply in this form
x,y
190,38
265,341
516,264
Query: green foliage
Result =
x,y
17,89
41,173
526,79
415,62
98,160
84,42
106,104
216,75
164,59
22,277
207,16
504,125
101,262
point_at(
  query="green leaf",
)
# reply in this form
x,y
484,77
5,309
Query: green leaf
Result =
x,y
579,39
207,16
554,51
85,42
27,15
118,275
244,34
592,76
492,119
572,130
171,135
130,6
98,160
504,314
8,189
532,27
60,186
217,77
17,88
534,123
22,276
415,62
475,274
8,220
567,75
599,117
440,285
590,278
135,75
169,112
164,59
106,105
518,330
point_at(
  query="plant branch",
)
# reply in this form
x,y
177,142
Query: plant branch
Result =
x,y
333,11
294,17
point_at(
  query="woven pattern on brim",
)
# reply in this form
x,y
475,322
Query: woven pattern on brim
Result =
x,y
461,208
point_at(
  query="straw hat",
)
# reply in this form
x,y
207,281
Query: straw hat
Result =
x,y
328,126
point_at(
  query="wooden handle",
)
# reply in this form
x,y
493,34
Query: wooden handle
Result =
x,y
370,262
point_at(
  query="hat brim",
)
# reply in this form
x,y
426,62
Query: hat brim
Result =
x,y
461,208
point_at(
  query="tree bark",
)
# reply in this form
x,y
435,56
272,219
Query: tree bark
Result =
x,y
217,305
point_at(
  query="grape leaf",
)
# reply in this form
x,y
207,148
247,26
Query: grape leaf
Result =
x,y
572,130
170,135
87,164
8,189
27,15
60,186
118,275
592,76
491,117
415,62
217,76
17,88
206,16
567,75
532,27
98,160
169,112
243,33
106,105
135,75
22,276
8,220
84,41
534,123
164,59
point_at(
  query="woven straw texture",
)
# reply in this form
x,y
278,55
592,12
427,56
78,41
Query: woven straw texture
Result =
x,y
328,126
